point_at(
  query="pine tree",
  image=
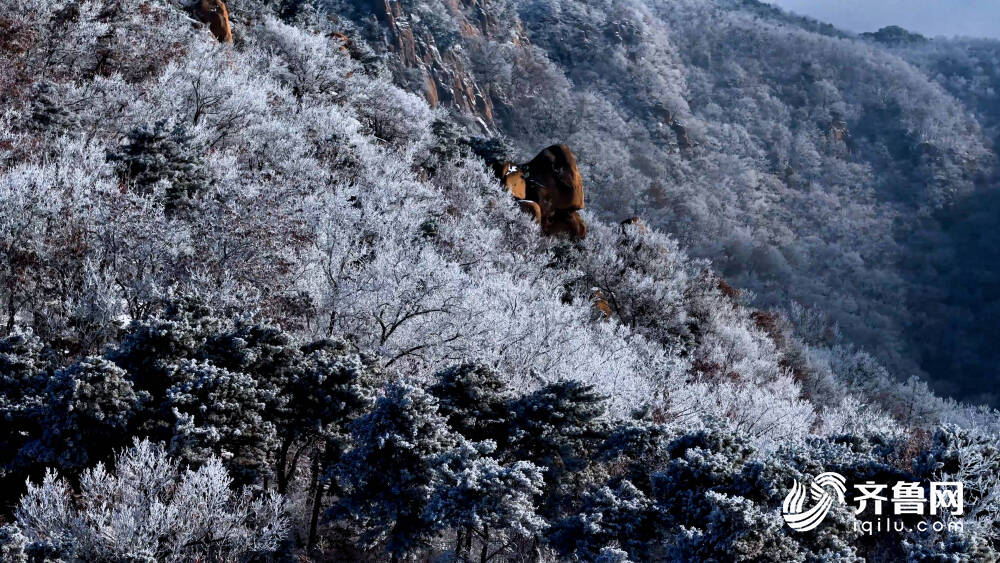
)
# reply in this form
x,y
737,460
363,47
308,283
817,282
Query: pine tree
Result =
x,y
165,153
476,402
623,516
559,428
152,347
330,388
220,413
23,375
88,413
475,494
388,476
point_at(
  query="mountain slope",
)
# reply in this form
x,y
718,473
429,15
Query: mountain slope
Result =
x,y
801,161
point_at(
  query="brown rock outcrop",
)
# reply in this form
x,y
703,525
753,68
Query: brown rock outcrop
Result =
x,y
215,14
564,223
511,177
554,181
531,208
550,188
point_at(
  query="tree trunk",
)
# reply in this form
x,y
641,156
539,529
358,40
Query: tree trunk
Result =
x,y
458,544
536,552
281,473
11,314
484,553
317,501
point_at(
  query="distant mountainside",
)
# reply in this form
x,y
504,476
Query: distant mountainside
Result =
x,y
809,165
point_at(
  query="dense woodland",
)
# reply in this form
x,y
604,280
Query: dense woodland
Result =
x,y
850,175
266,300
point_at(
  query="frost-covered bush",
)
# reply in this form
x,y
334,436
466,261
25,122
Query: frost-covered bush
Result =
x,y
148,508
972,457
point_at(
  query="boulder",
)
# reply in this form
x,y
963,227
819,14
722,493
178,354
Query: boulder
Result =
x,y
511,177
214,14
564,223
515,184
549,187
531,208
554,181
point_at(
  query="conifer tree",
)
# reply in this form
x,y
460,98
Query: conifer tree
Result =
x,y
388,476
623,516
220,413
476,402
476,495
89,409
558,427
165,152
23,375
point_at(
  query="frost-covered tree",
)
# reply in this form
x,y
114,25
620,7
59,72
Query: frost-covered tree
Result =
x,y
220,414
24,374
623,518
388,476
90,409
147,509
558,428
972,457
476,401
152,347
329,389
164,157
480,498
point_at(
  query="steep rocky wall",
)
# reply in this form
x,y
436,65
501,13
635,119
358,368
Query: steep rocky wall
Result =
x,y
442,71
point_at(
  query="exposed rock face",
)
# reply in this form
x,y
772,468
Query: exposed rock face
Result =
x,y
554,181
445,78
550,188
216,16
564,223
513,180
531,208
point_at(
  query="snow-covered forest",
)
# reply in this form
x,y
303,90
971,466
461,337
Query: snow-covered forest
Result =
x,y
809,166
264,298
